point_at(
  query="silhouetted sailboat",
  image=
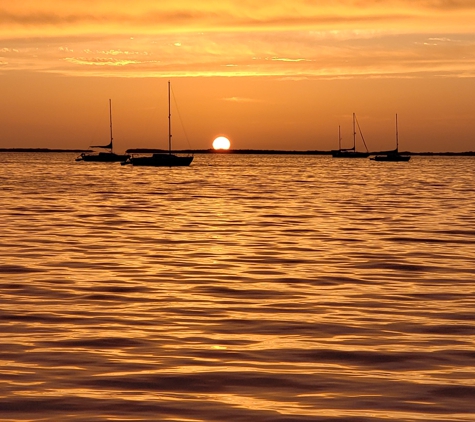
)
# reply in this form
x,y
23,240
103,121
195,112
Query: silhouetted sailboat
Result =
x,y
105,157
394,154
350,152
162,159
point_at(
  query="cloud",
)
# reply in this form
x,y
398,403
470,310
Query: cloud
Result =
x,y
147,16
290,54
345,38
449,4
286,59
101,61
241,100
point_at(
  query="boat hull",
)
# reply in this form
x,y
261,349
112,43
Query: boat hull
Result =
x,y
103,157
160,160
392,158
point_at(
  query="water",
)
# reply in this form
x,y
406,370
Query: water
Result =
x,y
242,288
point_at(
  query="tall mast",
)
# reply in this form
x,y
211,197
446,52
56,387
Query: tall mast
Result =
x,y
397,136
354,132
169,122
339,137
110,120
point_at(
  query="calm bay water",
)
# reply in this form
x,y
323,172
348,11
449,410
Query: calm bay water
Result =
x,y
242,288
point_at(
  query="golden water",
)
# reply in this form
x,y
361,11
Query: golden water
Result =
x,y
243,288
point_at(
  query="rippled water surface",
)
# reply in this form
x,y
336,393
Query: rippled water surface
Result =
x,y
243,288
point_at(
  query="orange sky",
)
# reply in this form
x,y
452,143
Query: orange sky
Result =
x,y
268,74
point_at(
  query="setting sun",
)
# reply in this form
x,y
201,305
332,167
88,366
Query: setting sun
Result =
x,y
221,142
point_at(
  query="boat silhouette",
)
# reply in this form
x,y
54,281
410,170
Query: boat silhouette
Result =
x,y
162,159
394,154
104,157
350,152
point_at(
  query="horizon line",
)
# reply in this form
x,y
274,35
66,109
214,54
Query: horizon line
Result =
x,y
230,151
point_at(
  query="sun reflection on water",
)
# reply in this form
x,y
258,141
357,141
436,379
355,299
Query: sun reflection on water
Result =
x,y
285,287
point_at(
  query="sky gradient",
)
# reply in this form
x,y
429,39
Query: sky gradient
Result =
x,y
269,74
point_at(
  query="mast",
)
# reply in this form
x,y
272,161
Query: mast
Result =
x,y
110,120
169,122
354,132
339,138
397,137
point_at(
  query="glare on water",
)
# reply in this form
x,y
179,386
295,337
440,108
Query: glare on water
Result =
x,y
245,287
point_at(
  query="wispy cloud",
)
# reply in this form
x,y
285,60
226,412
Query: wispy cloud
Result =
x,y
286,59
101,61
147,16
241,100
345,38
290,54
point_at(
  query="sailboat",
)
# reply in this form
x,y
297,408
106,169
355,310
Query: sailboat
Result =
x,y
350,152
106,157
394,154
162,159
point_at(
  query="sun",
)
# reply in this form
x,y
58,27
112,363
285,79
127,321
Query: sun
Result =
x,y
221,142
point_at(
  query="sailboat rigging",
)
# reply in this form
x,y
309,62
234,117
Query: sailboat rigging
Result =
x,y
107,157
350,152
162,159
392,155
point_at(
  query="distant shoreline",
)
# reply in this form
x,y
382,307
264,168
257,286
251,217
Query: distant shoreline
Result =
x,y
40,150
232,151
